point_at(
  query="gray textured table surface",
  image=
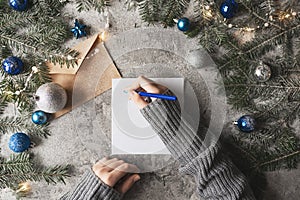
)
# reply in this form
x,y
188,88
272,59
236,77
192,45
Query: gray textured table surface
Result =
x,y
81,137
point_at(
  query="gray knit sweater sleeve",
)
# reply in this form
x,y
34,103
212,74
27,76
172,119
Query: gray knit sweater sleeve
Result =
x,y
90,187
216,176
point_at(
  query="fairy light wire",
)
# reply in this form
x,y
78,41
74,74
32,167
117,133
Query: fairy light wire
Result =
x,y
34,70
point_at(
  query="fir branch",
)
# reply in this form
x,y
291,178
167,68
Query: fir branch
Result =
x,y
283,153
274,40
55,174
10,84
21,124
278,92
149,10
4,52
48,7
23,101
263,86
16,43
16,163
68,58
20,168
38,130
211,37
173,10
295,154
274,108
38,32
163,11
11,124
98,5
39,78
268,5
266,43
3,104
251,11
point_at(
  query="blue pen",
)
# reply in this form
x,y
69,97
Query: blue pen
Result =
x,y
158,96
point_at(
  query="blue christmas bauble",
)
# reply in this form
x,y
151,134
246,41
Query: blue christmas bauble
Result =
x,y
183,24
13,65
39,117
228,8
246,123
18,5
19,142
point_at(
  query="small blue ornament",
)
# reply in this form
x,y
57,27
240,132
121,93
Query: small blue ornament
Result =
x,y
19,142
13,65
18,5
78,30
183,24
39,117
228,8
246,123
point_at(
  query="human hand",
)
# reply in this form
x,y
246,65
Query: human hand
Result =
x,y
116,173
144,84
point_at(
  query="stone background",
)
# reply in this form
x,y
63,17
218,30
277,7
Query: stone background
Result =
x,y
81,137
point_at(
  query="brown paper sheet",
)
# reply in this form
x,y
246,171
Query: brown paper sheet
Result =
x,y
92,78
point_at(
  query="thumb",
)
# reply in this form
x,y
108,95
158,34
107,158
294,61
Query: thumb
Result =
x,y
138,100
128,183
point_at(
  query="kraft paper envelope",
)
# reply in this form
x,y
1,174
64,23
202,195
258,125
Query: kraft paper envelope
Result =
x,y
83,49
90,78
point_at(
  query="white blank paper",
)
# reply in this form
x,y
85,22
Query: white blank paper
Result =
x,y
131,133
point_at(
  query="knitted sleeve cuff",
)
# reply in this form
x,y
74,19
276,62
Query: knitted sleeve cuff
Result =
x,y
91,187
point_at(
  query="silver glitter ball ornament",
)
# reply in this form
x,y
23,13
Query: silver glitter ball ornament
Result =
x,y
262,72
51,97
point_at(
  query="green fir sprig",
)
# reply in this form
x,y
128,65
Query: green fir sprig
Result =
x,y
98,5
163,11
20,168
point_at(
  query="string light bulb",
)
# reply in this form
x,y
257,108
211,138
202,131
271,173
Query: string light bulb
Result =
x,y
24,188
104,35
207,12
286,15
34,70
207,7
248,29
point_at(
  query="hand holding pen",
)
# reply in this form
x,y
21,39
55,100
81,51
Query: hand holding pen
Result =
x,y
146,87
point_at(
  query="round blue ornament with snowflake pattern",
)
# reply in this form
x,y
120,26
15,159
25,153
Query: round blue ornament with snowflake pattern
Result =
x,y
228,8
246,123
13,65
19,142
18,5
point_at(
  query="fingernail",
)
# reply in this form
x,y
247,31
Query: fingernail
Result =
x,y
136,178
